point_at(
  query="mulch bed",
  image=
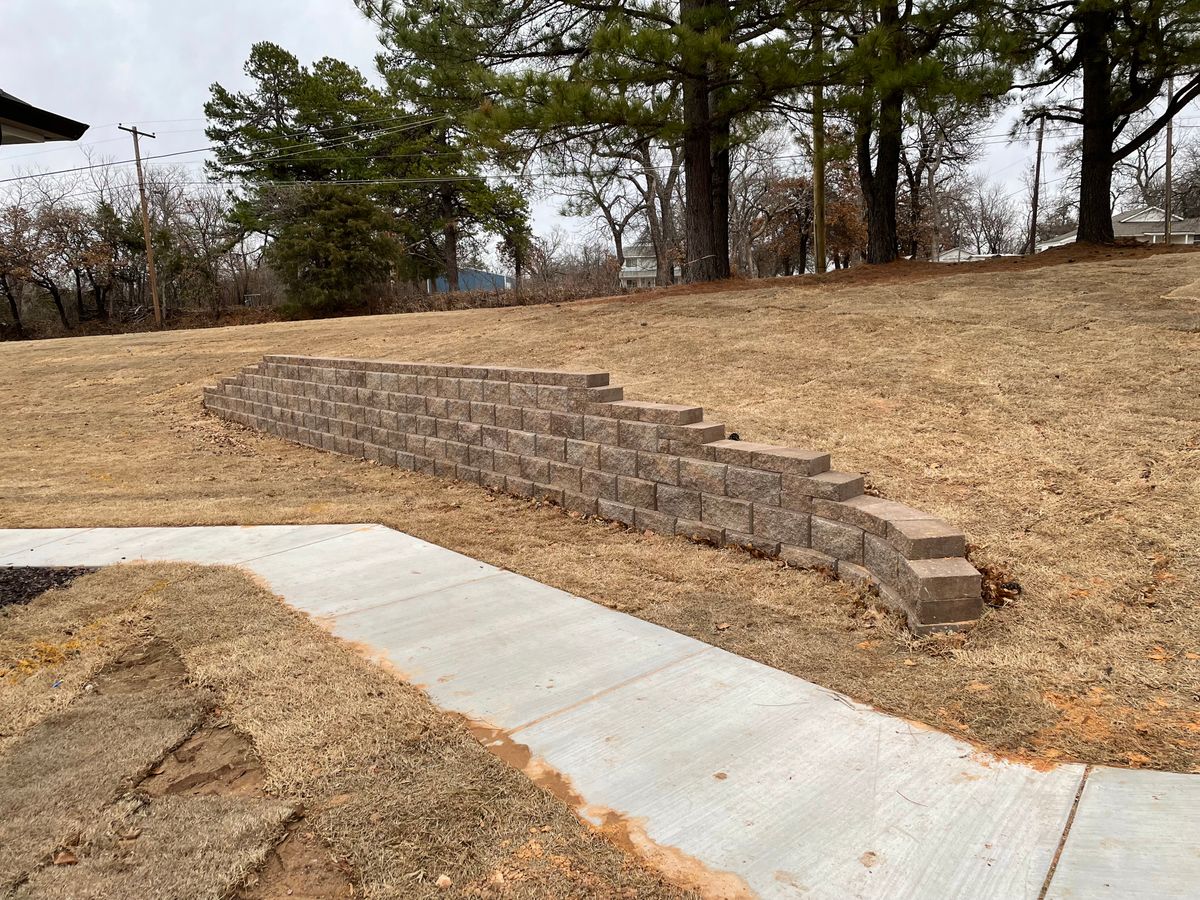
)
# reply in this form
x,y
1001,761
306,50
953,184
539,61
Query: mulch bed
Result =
x,y
20,584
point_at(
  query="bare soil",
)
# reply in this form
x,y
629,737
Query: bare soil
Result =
x,y
247,752
1048,407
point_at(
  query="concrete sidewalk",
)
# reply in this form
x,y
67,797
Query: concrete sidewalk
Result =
x,y
796,790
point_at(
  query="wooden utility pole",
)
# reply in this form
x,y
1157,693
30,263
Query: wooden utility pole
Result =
x,y
1170,153
1037,181
818,145
137,156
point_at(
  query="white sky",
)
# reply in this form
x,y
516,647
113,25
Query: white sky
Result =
x,y
151,63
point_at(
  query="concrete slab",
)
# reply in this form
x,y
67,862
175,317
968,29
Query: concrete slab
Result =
x,y
508,650
1135,834
365,568
17,542
802,792
229,544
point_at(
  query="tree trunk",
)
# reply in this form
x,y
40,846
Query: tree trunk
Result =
x,y
78,295
1096,164
13,306
720,196
803,254
879,183
62,312
700,231
450,237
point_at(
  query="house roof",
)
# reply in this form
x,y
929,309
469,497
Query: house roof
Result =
x,y
1151,220
21,123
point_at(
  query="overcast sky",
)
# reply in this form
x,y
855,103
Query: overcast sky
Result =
x,y
151,63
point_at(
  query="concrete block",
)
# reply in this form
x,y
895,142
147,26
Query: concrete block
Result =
x,y
535,469
658,522
701,475
470,389
481,457
682,503
807,558
618,512
583,453
580,503
601,430
566,425
506,463
825,486
638,435
564,475
791,460
483,413
492,480
837,539
659,467
522,442
426,384
657,413
921,581
700,532
926,538
636,492
881,558
781,525
551,447
553,397
469,474
548,493
738,453
509,417
522,394
856,575
496,392
470,433
694,435
618,460
754,485
520,487
869,513
727,513
602,485
445,468
459,409
493,437
941,612
746,541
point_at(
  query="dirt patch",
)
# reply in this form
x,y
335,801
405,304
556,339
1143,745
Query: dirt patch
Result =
x,y
1050,412
56,783
382,792
20,584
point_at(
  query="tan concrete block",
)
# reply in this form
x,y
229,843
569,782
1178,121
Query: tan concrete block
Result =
x,y
837,539
548,493
869,513
600,430
618,460
550,447
659,467
751,542
520,487
926,538
618,512
509,417
638,435
801,489
481,457
791,460
807,558
651,520
483,413
701,475
960,611
695,435
602,485
580,503
656,413
754,485
583,453
493,481
784,526
700,532
564,475
738,453
727,513
506,463
881,558
522,442
568,425
553,397
445,468
496,438
522,394
636,492
535,469
470,389
496,392
935,580
682,503
470,433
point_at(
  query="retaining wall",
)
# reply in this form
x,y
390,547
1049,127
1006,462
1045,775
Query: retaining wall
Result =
x,y
572,438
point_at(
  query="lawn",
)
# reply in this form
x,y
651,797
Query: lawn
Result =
x,y
1052,412
248,753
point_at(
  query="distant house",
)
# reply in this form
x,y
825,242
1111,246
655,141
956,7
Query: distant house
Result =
x,y
21,123
1147,224
640,269
470,280
958,254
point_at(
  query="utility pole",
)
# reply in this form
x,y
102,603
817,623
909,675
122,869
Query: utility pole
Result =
x,y
137,156
1170,153
818,102
1037,181
935,163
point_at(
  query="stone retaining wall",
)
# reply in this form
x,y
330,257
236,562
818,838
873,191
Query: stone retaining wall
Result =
x,y
571,438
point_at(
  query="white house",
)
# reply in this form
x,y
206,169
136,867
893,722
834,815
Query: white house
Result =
x,y
640,269
1147,224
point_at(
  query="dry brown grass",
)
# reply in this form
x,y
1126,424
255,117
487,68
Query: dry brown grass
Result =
x,y
1050,412
399,791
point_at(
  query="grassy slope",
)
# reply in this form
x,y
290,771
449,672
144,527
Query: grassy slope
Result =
x,y
1052,413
